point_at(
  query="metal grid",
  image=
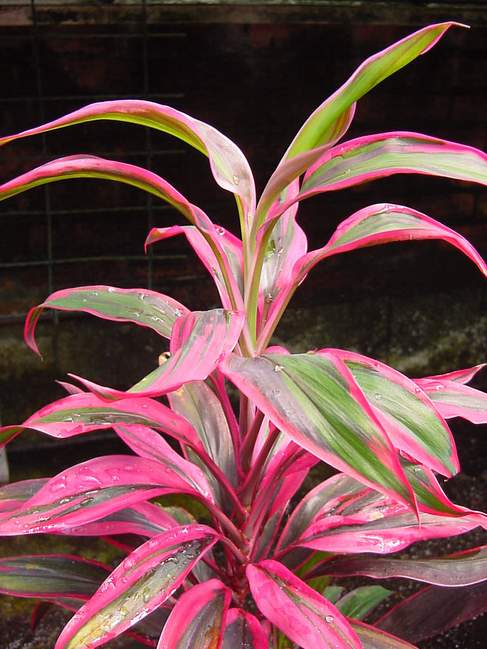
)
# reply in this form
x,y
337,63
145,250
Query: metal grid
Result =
x,y
49,264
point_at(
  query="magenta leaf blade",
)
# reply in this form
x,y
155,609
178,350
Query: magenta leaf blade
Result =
x,y
306,617
197,620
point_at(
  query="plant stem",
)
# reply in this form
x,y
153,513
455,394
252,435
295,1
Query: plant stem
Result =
x,y
249,441
254,474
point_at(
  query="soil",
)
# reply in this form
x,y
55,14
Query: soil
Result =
x,y
469,488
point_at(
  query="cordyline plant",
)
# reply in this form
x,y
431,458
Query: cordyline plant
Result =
x,y
258,570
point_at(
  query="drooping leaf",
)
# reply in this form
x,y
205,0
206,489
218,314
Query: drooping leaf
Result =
x,y
315,400
380,224
147,443
361,601
454,399
199,342
141,583
140,306
243,631
88,166
15,493
143,519
92,490
377,156
459,376
198,619
373,638
330,121
228,164
306,617
433,610
383,527
410,419
49,576
459,569
84,412
231,245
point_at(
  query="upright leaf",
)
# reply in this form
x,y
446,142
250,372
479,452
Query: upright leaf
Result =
x,y
140,584
198,619
330,121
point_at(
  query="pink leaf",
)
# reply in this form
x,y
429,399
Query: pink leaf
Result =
x,y
198,619
137,586
92,490
84,412
199,342
224,240
307,618
373,638
453,399
228,164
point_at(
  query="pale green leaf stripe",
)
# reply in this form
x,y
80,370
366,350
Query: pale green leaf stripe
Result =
x,y
475,400
320,125
407,410
395,153
144,309
380,222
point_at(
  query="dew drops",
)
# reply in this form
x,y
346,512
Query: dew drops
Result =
x,y
278,368
268,298
329,619
417,389
236,179
377,396
220,231
146,595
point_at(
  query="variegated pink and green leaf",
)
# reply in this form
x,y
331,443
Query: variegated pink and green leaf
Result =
x,y
373,638
330,121
137,586
140,306
454,399
304,616
228,164
199,341
315,400
93,490
231,246
84,412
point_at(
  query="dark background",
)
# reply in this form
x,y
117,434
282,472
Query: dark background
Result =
x,y
254,71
